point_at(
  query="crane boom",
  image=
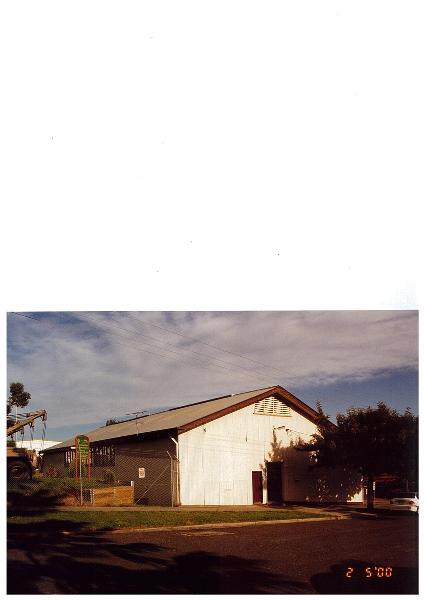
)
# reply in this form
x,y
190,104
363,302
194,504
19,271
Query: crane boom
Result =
x,y
30,418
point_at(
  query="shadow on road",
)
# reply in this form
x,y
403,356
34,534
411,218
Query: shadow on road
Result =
x,y
355,577
41,559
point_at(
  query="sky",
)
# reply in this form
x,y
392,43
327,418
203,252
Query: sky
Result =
x,y
86,367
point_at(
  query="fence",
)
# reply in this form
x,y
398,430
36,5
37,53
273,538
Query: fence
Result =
x,y
128,477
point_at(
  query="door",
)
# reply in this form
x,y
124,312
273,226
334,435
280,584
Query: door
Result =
x,y
274,478
257,487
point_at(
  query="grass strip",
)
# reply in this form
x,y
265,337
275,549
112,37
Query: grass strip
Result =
x,y
116,520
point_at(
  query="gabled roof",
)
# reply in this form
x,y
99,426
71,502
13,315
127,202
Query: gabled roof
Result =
x,y
188,417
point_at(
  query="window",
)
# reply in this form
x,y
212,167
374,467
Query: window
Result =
x,y
68,457
272,406
103,456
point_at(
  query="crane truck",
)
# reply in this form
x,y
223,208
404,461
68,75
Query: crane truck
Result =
x,y
21,462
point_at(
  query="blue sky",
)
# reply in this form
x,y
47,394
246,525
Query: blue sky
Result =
x,y
86,367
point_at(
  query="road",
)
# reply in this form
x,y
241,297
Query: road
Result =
x,y
297,558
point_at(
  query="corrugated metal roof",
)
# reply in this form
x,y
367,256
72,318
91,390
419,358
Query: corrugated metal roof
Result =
x,y
170,419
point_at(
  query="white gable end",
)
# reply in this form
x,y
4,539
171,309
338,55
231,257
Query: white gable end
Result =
x,y
217,459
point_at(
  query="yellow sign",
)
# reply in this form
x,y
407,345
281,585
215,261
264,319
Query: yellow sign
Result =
x,y
82,444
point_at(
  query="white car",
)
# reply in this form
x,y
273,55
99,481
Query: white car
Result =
x,y
405,501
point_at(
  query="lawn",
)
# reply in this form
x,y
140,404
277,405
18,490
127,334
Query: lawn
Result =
x,y
102,520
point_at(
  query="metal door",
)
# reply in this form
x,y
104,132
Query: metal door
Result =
x,y
257,487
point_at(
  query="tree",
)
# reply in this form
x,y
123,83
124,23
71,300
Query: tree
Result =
x,y
17,396
408,460
371,440
111,422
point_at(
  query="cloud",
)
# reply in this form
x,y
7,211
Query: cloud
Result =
x,y
86,367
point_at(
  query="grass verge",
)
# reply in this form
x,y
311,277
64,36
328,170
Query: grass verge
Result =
x,y
116,520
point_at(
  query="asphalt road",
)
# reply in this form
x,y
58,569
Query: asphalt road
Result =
x,y
297,558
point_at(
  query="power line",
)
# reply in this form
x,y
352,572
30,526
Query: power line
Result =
x,y
26,316
251,373
166,345
137,346
105,332
205,343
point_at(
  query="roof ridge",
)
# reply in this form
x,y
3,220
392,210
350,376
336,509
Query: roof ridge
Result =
x,y
161,412
218,398
115,430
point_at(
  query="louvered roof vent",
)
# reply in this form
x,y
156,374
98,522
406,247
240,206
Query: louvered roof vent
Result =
x,y
272,406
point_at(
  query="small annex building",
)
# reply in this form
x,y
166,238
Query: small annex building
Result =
x,y
232,450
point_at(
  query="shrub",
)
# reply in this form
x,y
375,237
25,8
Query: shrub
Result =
x,y
71,469
52,471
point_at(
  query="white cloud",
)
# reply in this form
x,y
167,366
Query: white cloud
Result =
x,y
85,367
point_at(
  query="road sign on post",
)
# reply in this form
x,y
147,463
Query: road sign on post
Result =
x,y
82,444
82,451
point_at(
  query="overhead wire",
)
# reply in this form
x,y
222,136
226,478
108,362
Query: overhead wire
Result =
x,y
110,333
200,364
175,332
137,346
165,348
107,333
166,344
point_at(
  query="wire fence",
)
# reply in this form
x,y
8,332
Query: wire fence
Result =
x,y
127,478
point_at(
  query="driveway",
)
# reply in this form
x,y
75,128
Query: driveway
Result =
x,y
255,559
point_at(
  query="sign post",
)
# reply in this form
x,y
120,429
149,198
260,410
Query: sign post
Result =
x,y
82,452
80,479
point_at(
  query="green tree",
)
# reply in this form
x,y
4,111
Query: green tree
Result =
x,y
373,440
17,396
408,460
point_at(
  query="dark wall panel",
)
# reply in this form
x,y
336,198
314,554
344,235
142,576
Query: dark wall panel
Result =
x,y
146,462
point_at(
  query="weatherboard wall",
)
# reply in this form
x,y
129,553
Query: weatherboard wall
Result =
x,y
217,459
